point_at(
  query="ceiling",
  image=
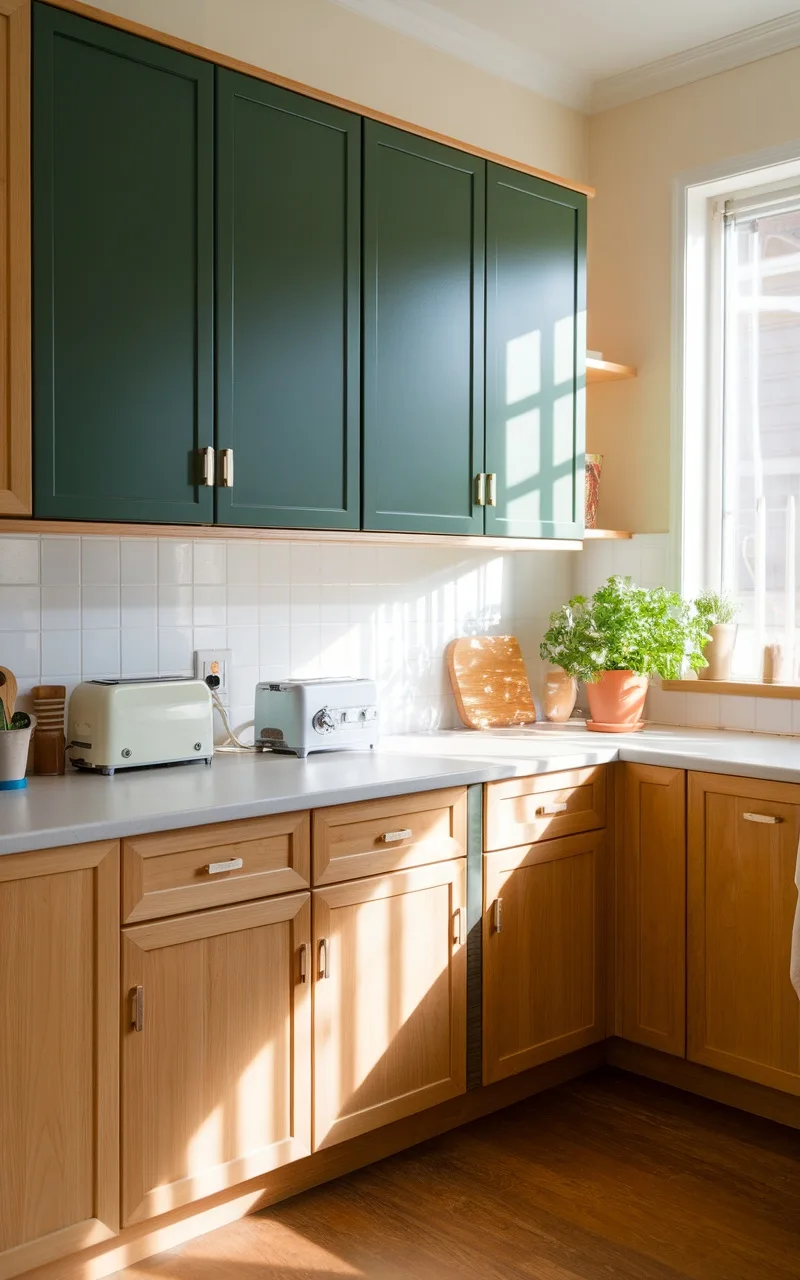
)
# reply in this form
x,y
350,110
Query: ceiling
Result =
x,y
596,53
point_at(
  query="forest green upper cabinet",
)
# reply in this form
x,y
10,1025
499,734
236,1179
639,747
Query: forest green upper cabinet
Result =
x,y
123,274
423,333
535,355
288,306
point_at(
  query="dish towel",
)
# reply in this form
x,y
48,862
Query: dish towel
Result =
x,y
795,967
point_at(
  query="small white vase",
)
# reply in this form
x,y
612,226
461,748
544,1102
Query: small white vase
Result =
x,y
14,745
560,692
718,653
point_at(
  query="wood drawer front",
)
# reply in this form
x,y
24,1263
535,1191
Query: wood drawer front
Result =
x,y
168,873
525,810
350,840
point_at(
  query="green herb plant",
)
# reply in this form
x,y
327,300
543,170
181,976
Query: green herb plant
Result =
x,y
715,608
650,631
19,720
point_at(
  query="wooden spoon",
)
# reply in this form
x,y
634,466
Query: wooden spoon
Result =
x,y
8,691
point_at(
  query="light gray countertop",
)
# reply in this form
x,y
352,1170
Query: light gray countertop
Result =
x,y
83,807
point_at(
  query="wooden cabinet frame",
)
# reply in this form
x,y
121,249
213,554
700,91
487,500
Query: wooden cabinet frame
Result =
x,y
102,859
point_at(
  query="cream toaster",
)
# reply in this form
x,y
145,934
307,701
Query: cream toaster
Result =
x,y
298,716
128,724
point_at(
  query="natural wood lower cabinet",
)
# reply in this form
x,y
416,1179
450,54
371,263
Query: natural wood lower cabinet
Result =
x,y
543,952
651,907
216,1086
744,1016
59,1053
389,998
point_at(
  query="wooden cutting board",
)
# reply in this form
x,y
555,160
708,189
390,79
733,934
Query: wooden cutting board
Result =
x,y
490,683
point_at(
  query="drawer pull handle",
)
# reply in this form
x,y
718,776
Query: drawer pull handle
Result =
x,y
303,963
768,819
458,932
498,914
391,837
137,1008
324,958
216,868
548,810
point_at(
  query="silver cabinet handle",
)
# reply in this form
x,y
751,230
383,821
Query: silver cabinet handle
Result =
x,y
226,468
491,489
458,931
324,958
480,489
137,1008
207,467
547,810
303,962
216,868
768,819
498,914
392,837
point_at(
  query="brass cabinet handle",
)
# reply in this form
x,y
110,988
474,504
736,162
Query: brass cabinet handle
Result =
x,y
207,467
480,490
768,819
498,914
392,837
324,958
137,1008
491,490
303,962
216,868
458,931
226,468
547,810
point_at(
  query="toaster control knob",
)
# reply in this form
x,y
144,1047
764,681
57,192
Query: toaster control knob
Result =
x,y
323,721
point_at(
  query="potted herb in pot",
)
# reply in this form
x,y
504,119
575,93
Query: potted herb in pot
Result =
x,y
619,639
15,737
716,613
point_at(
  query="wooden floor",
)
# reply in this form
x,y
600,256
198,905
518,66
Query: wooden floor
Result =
x,y
610,1176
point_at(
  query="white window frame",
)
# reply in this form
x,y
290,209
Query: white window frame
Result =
x,y
697,355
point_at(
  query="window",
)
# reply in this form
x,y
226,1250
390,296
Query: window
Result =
x,y
741,405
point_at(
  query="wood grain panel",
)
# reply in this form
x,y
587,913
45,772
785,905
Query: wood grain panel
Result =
x,y
652,908
744,1016
490,682
348,840
59,1055
216,1086
15,258
546,806
543,957
390,1017
167,873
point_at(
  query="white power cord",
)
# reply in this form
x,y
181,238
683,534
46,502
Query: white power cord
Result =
x,y
232,742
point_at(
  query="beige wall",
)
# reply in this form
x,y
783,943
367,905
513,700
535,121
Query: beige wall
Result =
x,y
333,49
635,152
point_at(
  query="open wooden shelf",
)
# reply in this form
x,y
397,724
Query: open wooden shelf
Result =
x,y
607,371
606,533
742,688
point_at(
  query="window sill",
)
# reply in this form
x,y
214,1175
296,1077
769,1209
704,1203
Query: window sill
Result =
x,y
744,688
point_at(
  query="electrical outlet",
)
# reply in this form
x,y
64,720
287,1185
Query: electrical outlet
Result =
x,y
215,662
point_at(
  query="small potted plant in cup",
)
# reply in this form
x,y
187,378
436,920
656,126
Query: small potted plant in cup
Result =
x,y
619,639
15,737
716,611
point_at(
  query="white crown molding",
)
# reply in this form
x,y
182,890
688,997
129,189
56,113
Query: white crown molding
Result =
x,y
470,43
704,60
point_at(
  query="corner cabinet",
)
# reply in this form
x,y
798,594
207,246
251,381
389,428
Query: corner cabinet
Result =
x,y
59,1053
288,307
123,208
15,259
535,355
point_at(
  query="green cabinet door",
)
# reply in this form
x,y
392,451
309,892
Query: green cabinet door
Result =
x,y
288,306
535,355
424,207
123,251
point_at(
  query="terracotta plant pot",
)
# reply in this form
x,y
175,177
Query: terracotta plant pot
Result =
x,y
617,699
718,653
560,692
